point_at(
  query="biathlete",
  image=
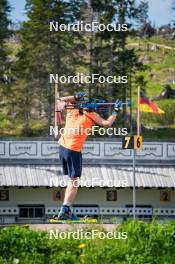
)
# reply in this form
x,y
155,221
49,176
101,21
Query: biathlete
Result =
x,y
71,145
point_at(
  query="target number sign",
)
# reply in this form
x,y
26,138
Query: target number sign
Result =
x,y
132,142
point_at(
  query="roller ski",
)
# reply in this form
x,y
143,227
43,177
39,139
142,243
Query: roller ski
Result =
x,y
66,216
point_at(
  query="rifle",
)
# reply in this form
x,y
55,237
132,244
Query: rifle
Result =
x,y
91,105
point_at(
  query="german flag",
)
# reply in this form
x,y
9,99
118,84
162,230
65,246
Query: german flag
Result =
x,y
147,106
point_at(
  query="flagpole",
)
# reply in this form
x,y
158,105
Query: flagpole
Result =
x,y
134,188
134,154
138,111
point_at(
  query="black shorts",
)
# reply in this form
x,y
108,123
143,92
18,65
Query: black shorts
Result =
x,y
71,162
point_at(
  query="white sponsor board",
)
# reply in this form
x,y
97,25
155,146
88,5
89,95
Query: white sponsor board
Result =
x,y
151,151
106,150
171,150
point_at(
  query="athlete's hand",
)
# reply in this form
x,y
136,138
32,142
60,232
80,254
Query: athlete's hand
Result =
x,y
60,105
80,96
117,105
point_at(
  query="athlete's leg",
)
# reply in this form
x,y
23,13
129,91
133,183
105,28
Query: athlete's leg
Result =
x,y
74,166
71,191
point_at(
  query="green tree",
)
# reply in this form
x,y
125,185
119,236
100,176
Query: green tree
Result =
x,y
41,52
44,52
111,55
4,34
4,63
143,12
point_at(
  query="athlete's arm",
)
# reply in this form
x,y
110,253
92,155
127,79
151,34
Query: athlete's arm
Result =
x,y
77,97
66,99
63,101
106,123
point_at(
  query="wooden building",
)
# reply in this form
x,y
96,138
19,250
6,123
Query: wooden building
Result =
x,y
32,185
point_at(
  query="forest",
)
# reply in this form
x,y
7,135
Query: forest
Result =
x,y
53,42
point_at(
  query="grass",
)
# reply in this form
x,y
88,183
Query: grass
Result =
x,y
163,41
161,71
132,242
159,133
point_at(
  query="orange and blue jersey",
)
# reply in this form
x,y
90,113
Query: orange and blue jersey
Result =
x,y
76,128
